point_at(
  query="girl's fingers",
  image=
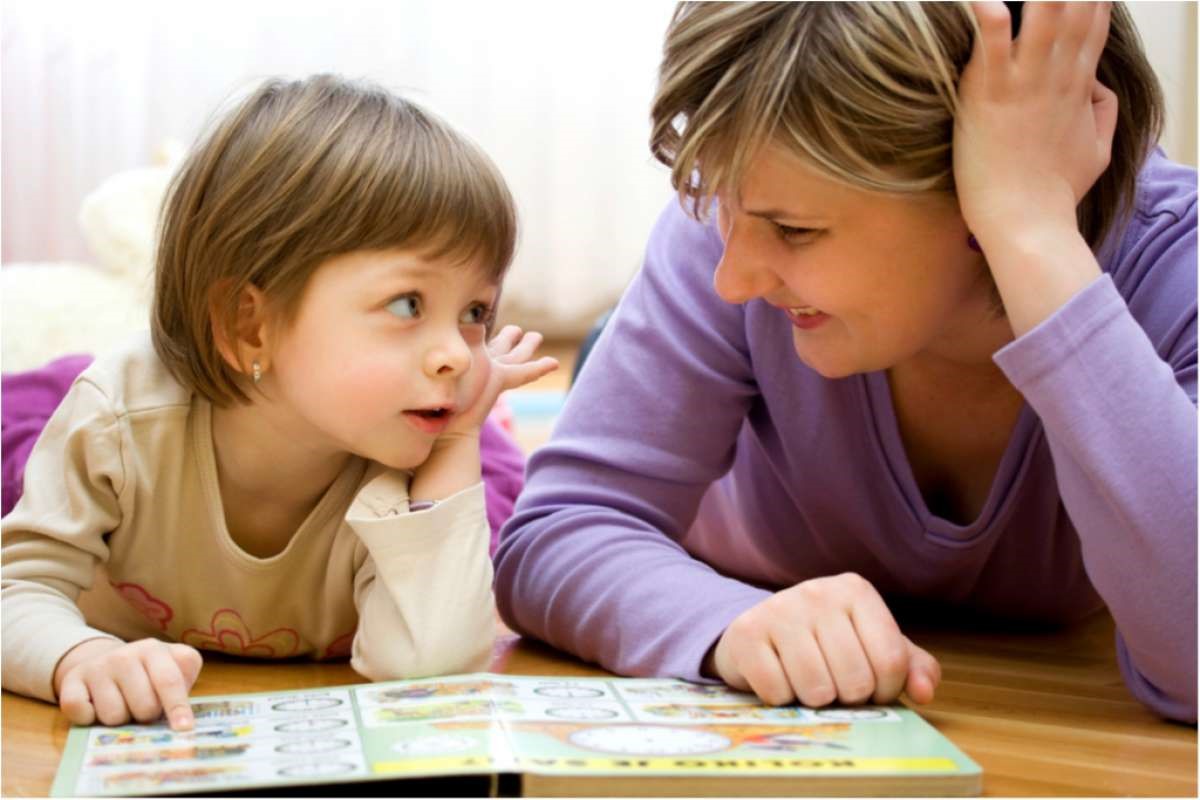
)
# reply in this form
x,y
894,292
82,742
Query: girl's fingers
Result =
x,y
189,660
107,700
75,702
524,349
504,341
847,661
804,665
520,374
171,688
137,692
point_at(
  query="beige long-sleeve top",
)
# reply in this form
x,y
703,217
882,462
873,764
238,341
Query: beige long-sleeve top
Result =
x,y
121,532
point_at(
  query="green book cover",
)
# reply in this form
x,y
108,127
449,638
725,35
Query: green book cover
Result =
x,y
559,735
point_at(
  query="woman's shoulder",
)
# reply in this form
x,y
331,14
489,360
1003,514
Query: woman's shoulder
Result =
x,y
1166,188
133,379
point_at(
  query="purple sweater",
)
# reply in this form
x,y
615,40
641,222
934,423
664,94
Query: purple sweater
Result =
x,y
699,465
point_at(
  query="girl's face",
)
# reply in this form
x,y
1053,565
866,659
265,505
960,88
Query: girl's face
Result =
x,y
385,348
867,280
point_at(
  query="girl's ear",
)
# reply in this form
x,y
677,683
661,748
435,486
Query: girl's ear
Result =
x,y
247,341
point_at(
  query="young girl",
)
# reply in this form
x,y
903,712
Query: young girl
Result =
x,y
933,345
289,465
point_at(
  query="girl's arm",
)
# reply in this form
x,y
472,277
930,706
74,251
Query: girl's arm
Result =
x,y
54,537
424,595
1119,410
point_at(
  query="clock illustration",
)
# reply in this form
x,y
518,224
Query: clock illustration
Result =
x,y
580,712
307,704
568,690
649,740
311,725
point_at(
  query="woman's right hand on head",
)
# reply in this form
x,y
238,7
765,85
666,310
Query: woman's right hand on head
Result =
x,y
823,640
112,682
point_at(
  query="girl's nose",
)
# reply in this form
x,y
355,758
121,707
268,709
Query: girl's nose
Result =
x,y
451,355
744,271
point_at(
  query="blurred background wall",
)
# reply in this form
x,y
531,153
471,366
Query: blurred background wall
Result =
x,y
557,93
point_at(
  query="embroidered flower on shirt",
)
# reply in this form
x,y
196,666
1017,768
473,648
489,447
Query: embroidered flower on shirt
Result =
x,y
147,604
339,647
229,634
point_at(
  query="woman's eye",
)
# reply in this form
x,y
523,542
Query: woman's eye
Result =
x,y
790,234
477,314
406,307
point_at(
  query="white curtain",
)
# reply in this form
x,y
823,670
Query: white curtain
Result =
x,y
557,93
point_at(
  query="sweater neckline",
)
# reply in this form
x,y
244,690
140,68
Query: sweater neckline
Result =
x,y
880,407
328,510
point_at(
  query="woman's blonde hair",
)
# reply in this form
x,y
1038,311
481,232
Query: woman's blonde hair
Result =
x,y
297,173
865,92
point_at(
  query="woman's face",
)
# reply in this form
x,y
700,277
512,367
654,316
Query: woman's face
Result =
x,y
867,280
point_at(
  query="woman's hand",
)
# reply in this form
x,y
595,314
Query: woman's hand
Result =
x,y
508,362
823,640
1035,127
111,682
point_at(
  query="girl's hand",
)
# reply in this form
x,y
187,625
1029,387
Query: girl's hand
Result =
x,y
508,363
113,682
823,640
1035,128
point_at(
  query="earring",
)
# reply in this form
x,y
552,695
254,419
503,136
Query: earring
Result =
x,y
256,371
973,243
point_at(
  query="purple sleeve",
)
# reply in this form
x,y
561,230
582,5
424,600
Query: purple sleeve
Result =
x,y
1117,397
503,466
591,562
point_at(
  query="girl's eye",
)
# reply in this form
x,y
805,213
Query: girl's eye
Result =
x,y
406,306
790,234
477,314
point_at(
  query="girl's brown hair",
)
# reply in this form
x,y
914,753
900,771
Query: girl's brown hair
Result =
x,y
295,174
865,92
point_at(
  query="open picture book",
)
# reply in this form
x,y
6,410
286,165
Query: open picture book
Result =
x,y
508,735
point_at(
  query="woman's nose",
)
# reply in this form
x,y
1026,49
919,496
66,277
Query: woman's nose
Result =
x,y
744,271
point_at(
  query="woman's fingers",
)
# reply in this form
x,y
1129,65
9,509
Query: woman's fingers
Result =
x,y
764,675
804,665
1034,46
847,660
1094,43
924,674
994,44
885,646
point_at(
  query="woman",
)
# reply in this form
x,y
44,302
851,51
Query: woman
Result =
x,y
928,334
